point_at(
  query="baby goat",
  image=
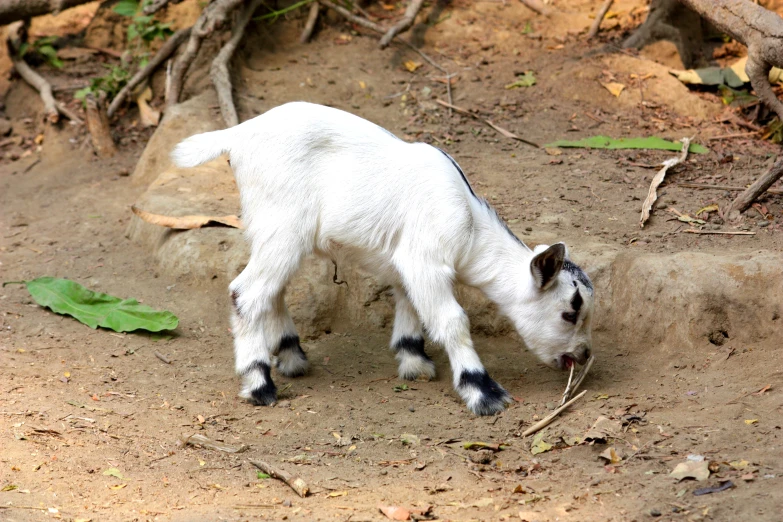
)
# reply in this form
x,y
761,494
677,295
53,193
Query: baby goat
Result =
x,y
317,180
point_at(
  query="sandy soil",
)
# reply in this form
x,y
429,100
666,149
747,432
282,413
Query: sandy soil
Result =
x,y
76,402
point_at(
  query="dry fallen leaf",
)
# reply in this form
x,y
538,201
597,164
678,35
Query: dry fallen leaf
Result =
x,y
652,194
118,486
337,494
149,117
614,87
395,512
739,464
411,65
602,429
611,456
186,222
691,469
751,421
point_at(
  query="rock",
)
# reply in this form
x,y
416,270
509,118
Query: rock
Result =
x,y
484,456
655,513
284,404
5,127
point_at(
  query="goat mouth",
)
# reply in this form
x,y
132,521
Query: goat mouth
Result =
x,y
565,361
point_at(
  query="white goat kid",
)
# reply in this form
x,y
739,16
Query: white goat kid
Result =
x,y
317,180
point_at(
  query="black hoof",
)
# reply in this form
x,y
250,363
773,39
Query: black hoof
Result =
x,y
481,393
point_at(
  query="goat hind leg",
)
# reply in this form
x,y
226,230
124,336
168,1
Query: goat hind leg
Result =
x,y
291,359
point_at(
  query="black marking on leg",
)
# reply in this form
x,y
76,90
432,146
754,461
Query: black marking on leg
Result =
x,y
291,344
412,346
493,396
266,395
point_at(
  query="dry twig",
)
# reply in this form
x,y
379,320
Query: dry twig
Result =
x,y
404,24
506,133
652,195
219,73
161,56
746,199
720,232
598,19
312,19
722,187
572,385
162,357
546,421
296,483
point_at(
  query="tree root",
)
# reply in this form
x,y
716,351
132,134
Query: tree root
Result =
x,y
219,73
593,32
212,17
378,29
403,25
312,19
13,10
157,5
746,199
16,36
161,56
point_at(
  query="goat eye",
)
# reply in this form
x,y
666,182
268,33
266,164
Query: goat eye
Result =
x,y
570,317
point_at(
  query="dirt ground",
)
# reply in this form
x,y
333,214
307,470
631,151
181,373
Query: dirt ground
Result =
x,y
76,402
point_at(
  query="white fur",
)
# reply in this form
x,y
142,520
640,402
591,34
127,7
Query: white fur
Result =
x,y
316,180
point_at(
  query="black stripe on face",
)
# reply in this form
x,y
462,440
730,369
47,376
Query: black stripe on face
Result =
x,y
576,304
578,274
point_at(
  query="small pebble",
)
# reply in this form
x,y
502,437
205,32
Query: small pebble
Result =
x,y
482,456
287,503
411,408
655,513
284,404
384,472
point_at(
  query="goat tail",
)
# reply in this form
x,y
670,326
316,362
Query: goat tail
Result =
x,y
201,148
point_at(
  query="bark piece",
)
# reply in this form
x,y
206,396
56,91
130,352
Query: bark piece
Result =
x,y
98,125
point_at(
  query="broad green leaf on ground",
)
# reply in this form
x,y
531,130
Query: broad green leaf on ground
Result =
x,y
523,80
94,309
605,142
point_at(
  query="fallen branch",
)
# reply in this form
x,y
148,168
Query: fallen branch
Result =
x,y
200,440
16,35
212,16
378,29
732,136
297,484
652,195
746,199
13,10
720,232
598,19
499,129
722,187
312,19
546,421
404,24
219,73
161,56
186,222
538,7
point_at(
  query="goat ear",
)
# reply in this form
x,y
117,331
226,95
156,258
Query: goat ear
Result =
x,y
547,264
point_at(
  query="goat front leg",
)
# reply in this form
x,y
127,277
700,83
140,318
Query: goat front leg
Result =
x,y
431,293
408,341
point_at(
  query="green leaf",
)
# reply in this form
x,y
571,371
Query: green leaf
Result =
x,y
50,53
523,80
604,142
94,309
126,7
114,472
9,487
262,475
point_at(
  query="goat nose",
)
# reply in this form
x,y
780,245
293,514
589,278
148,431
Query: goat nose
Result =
x,y
583,354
